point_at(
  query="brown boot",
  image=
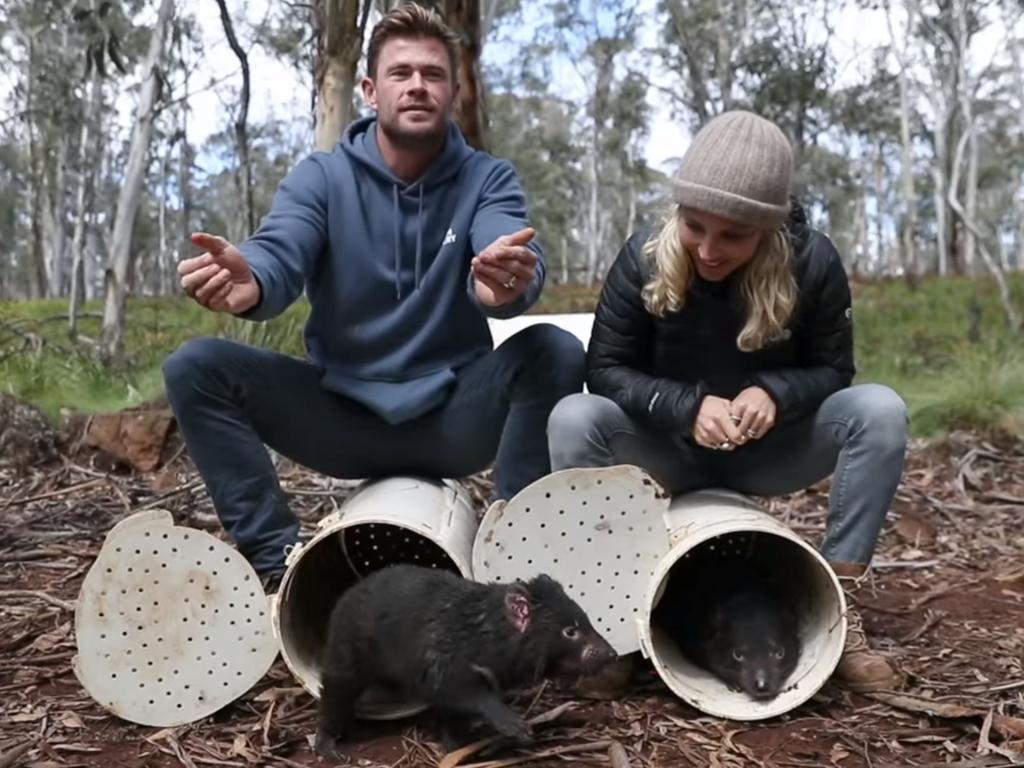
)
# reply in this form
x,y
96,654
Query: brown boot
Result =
x,y
860,668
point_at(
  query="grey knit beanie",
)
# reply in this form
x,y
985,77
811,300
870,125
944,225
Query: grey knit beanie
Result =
x,y
737,166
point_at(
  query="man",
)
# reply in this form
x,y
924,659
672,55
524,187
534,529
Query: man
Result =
x,y
406,240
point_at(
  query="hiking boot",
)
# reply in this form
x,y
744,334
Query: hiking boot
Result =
x,y
860,668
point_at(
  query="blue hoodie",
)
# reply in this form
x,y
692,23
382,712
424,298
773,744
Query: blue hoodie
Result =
x,y
386,266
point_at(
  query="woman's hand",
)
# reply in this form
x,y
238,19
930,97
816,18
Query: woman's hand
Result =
x,y
714,427
754,413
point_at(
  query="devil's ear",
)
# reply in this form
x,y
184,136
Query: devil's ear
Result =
x,y
518,607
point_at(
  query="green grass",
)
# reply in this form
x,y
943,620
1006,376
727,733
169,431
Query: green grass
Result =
x,y
917,341
913,340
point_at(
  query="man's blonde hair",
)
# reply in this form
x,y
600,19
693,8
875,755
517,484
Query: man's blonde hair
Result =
x,y
411,20
767,285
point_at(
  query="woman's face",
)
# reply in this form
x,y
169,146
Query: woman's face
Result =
x,y
718,246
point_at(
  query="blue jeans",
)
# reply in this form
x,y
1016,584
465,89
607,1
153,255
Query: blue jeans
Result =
x,y
231,399
858,435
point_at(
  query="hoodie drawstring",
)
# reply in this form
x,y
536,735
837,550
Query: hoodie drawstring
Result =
x,y
419,239
397,218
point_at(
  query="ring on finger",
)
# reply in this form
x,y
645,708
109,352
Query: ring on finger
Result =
x,y
725,445
751,433
511,282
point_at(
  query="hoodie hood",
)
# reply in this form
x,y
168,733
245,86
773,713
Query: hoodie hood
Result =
x,y
360,144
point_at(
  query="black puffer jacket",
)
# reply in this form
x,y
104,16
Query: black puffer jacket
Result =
x,y
659,369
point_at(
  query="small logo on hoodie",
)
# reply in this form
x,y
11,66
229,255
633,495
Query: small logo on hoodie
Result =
x,y
449,237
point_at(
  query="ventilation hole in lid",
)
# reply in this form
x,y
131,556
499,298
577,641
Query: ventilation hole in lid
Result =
x,y
547,495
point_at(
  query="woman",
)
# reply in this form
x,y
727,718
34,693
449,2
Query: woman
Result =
x,y
722,355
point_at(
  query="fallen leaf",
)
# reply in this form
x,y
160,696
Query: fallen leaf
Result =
x,y
913,530
71,720
838,753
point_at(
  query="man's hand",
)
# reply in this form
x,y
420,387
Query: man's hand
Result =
x,y
503,271
754,412
220,279
714,428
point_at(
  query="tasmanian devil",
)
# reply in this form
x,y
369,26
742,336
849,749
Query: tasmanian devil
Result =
x,y
455,644
734,624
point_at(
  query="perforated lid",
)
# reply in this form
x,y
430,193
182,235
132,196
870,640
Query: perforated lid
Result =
x,y
599,531
171,623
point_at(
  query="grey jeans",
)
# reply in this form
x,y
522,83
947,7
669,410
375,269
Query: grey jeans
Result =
x,y
858,434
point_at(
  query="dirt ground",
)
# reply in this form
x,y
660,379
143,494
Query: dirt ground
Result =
x,y
945,601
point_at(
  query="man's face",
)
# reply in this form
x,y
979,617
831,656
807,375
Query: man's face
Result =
x,y
412,90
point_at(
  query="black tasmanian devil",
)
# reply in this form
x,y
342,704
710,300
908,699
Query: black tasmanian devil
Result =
x,y
735,624
455,644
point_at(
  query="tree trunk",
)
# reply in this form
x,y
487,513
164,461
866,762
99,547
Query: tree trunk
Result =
x,y
1009,309
966,99
565,260
54,213
37,266
593,209
339,44
464,17
908,224
86,175
243,176
184,160
630,191
120,262
879,167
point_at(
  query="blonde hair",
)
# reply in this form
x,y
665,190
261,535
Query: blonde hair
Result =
x,y
767,285
411,20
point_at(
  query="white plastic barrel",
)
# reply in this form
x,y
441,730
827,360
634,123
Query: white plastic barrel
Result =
x,y
394,520
724,521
